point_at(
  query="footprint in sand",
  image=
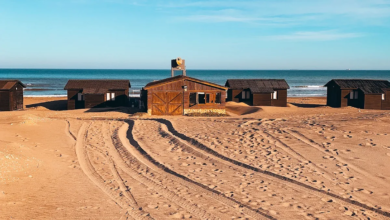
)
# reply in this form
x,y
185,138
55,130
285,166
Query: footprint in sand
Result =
x,y
347,136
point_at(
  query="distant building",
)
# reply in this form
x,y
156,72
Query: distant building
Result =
x,y
258,92
11,95
182,95
97,93
359,93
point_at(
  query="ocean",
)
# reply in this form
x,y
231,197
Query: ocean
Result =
x,y
303,83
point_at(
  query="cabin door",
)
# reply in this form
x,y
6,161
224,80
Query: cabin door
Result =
x,y
167,103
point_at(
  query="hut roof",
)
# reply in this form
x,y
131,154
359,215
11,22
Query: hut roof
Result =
x,y
257,85
97,86
178,78
9,84
367,86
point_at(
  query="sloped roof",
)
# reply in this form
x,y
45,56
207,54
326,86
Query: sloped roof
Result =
x,y
97,86
367,86
257,85
9,84
178,78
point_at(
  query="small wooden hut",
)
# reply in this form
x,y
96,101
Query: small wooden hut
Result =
x,y
181,95
359,93
97,93
11,95
258,92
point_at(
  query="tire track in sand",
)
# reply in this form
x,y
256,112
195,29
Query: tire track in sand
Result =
x,y
218,196
299,136
134,170
282,179
91,173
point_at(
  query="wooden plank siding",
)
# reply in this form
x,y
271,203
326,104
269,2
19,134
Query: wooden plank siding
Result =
x,y
170,98
369,93
373,101
259,99
281,100
97,100
12,99
333,96
262,99
4,101
386,102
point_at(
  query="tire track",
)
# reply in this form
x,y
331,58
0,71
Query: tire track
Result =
x,y
284,180
133,169
89,170
299,136
68,132
257,214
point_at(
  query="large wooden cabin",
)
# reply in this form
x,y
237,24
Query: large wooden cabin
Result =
x,y
97,93
359,93
258,92
182,95
11,95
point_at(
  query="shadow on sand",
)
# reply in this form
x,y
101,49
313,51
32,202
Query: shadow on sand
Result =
x,y
56,105
302,105
127,110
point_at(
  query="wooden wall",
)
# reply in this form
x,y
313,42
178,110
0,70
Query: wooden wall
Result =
x,y
97,100
344,97
4,101
373,101
386,102
192,87
235,95
94,100
72,100
333,96
262,99
12,99
282,98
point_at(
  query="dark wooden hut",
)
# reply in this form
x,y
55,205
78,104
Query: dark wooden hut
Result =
x,y
97,93
11,95
181,95
258,92
359,93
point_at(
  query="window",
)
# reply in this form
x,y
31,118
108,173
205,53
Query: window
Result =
x,y
383,97
193,97
246,94
207,98
354,95
274,95
80,97
204,98
201,98
218,97
110,96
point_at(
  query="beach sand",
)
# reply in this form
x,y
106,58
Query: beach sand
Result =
x,y
304,161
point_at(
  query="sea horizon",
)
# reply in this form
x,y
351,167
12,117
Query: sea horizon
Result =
x,y
303,83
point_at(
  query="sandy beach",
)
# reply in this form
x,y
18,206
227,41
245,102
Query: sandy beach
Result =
x,y
304,161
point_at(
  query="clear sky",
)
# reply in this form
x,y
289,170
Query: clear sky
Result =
x,y
146,34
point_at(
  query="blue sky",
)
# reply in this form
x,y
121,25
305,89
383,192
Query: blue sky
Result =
x,y
142,34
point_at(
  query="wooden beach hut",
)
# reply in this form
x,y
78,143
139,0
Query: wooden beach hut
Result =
x,y
182,95
359,93
11,95
97,93
258,92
